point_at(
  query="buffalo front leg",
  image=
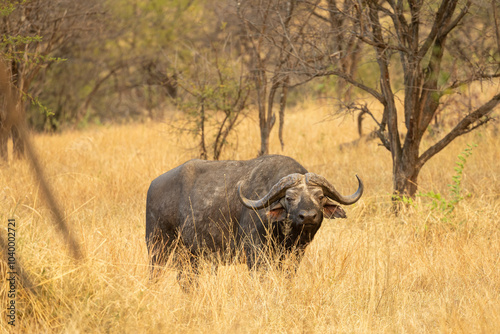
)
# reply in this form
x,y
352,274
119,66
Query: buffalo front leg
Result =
x,y
255,256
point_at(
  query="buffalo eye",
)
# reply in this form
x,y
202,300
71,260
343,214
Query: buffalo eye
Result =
x,y
289,199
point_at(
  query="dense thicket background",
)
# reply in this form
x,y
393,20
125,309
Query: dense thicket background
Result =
x,y
116,60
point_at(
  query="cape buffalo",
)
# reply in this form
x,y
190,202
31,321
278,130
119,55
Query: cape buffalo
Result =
x,y
206,207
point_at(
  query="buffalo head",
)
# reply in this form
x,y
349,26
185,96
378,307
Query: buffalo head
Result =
x,y
303,199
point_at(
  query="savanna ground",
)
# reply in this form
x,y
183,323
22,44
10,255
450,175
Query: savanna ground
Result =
x,y
419,272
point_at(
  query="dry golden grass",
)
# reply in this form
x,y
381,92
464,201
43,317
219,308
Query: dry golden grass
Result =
x,y
372,272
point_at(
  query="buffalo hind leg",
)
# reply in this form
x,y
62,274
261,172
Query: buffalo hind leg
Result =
x,y
159,249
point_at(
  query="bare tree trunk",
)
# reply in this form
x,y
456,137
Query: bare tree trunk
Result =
x,y
18,143
399,165
266,118
4,154
13,116
406,172
283,97
269,39
203,148
345,47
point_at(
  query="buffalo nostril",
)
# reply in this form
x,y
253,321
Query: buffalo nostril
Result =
x,y
307,216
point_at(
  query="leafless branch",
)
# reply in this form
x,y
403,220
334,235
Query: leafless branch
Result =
x,y
446,7
495,22
466,125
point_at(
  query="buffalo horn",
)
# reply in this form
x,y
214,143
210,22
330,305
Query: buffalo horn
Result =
x,y
330,191
276,192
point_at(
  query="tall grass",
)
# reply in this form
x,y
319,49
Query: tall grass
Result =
x,y
372,272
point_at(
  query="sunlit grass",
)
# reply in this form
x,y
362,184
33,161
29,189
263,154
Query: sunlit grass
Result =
x,y
373,272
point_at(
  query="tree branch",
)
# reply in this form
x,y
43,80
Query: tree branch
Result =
x,y
495,23
466,125
457,20
381,126
441,15
382,45
474,77
390,110
346,77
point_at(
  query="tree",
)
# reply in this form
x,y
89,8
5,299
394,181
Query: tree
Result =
x,y
439,48
341,45
216,93
273,34
31,31
125,71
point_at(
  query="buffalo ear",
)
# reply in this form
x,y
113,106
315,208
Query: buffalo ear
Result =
x,y
332,210
276,212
